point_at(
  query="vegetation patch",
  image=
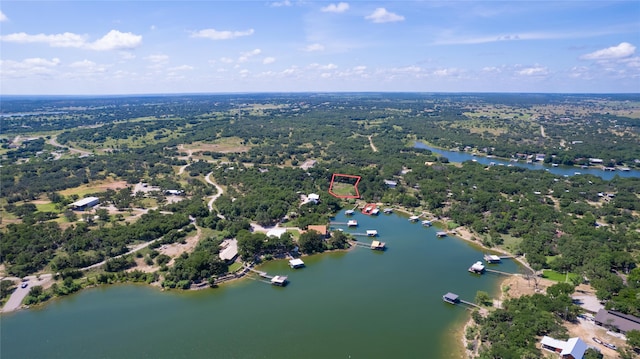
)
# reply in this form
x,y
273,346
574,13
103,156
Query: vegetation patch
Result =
x,y
560,277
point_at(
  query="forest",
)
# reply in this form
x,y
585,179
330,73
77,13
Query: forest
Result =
x,y
256,147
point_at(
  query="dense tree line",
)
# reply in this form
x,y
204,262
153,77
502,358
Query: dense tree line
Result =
x,y
26,248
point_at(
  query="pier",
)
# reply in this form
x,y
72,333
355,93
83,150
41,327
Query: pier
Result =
x,y
375,245
261,273
454,299
470,304
498,272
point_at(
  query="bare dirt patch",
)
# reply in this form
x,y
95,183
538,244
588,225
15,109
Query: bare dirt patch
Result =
x,y
173,250
143,267
587,330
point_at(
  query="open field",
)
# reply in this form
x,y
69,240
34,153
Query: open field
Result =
x,y
102,186
557,276
223,145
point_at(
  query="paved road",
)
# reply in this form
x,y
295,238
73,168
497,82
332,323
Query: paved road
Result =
x,y
18,295
53,141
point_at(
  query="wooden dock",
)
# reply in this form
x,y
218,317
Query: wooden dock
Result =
x,y
470,304
361,244
498,272
261,274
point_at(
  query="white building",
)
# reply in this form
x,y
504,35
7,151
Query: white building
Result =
x,y
85,203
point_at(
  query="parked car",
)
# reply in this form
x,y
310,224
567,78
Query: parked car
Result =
x,y
24,285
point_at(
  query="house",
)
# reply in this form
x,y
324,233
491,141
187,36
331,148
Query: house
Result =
x,y
229,250
85,203
573,348
276,232
390,184
595,160
174,192
540,157
313,197
617,321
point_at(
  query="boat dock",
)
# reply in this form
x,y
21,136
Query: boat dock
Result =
x,y
454,299
375,245
370,209
277,280
492,258
441,234
477,268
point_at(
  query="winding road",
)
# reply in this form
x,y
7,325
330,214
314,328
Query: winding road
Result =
x,y
53,142
215,196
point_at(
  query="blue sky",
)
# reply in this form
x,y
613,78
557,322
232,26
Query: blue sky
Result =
x,y
132,47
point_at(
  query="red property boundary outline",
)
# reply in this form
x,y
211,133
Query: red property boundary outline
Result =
x,y
333,178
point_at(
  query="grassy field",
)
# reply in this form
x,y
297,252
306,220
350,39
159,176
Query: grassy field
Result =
x,y
234,267
557,276
96,187
343,189
221,145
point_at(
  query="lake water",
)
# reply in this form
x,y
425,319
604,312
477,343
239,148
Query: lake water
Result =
x,y
459,157
355,304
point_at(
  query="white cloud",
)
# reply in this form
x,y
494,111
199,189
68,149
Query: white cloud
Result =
x,y
158,61
226,60
181,68
214,34
491,69
314,47
66,39
114,40
580,72
268,60
245,56
533,71
158,58
337,8
381,15
323,67
3,17
281,3
87,67
28,67
125,55
624,49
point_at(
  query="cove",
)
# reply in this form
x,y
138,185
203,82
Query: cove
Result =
x,y
354,304
459,157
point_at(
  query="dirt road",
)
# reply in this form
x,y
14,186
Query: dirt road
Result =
x,y
218,188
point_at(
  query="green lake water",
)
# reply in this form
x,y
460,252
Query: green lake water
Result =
x,y
355,304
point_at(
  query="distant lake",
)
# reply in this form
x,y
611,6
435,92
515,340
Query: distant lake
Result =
x,y
459,157
354,304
